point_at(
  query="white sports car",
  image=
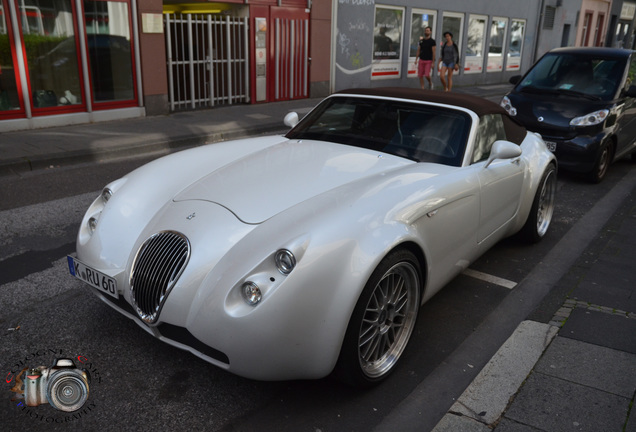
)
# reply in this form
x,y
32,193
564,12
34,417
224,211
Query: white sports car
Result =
x,y
289,257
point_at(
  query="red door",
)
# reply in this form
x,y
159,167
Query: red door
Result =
x,y
289,54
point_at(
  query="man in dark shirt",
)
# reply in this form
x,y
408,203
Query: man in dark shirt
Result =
x,y
425,57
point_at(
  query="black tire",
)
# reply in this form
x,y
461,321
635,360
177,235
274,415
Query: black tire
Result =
x,y
601,166
382,321
542,209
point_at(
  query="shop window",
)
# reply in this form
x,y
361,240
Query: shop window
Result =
x,y
51,48
515,47
9,96
498,29
474,60
109,50
420,19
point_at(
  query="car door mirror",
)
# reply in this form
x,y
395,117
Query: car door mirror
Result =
x,y
503,150
291,119
631,91
514,79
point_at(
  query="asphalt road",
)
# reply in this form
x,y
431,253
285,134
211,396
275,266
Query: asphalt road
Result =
x,y
139,382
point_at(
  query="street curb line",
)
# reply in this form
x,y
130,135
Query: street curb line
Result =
x,y
487,397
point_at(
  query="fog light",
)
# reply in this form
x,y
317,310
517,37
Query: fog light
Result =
x,y
285,261
92,224
251,293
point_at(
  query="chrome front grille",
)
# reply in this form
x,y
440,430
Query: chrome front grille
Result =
x,y
157,267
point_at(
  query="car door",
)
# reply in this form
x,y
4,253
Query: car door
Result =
x,y
626,135
500,182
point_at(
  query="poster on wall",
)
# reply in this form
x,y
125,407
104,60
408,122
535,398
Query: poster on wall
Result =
x,y
387,41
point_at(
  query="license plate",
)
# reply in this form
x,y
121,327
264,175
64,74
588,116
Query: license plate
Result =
x,y
94,278
551,145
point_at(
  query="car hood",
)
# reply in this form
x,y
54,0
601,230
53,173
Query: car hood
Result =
x,y
555,111
266,182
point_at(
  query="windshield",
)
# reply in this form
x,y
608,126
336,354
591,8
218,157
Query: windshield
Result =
x,y
575,75
419,132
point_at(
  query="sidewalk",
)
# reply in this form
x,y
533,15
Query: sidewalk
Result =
x,y
30,150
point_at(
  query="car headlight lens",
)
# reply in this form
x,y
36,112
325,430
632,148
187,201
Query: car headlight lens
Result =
x,y
590,119
285,261
92,224
106,194
507,105
251,293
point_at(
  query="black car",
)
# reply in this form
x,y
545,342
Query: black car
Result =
x,y
581,101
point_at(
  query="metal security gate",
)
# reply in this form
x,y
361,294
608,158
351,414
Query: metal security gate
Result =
x,y
207,60
291,58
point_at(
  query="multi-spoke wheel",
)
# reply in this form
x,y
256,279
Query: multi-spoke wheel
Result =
x,y
382,321
542,207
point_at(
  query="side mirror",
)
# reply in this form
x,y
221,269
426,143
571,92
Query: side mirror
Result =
x,y
503,150
514,79
291,119
631,91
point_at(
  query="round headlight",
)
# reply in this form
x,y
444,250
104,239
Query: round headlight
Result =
x,y
507,105
251,293
285,261
92,224
106,194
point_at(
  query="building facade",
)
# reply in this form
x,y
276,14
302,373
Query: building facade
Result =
x,y
79,61
66,62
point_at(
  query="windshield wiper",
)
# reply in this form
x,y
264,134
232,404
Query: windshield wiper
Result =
x,y
577,93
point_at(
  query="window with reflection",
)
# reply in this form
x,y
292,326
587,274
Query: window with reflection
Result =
x,y
9,99
51,46
498,28
475,44
515,47
109,50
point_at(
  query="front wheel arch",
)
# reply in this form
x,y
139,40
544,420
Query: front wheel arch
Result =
x,y
382,321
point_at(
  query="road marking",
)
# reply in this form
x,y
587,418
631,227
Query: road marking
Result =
x,y
490,278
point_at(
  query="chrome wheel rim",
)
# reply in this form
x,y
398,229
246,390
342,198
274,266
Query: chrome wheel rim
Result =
x,y
546,203
388,320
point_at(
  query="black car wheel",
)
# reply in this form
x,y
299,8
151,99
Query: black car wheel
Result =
x,y
603,161
382,321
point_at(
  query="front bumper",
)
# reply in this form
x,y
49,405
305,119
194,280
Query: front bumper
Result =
x,y
578,154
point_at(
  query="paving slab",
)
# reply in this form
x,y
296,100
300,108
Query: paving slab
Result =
x,y
590,365
489,393
455,423
601,328
506,425
553,404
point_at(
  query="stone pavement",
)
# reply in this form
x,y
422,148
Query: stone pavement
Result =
x,y
575,371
